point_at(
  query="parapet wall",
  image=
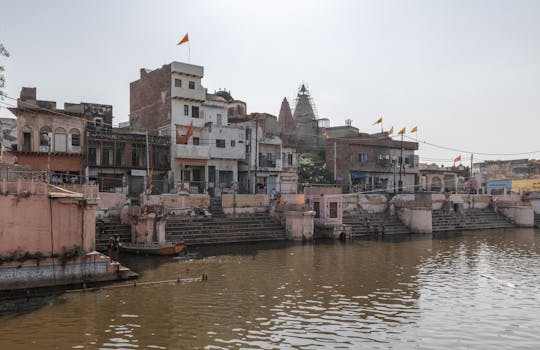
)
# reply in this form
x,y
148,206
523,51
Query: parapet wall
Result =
x,y
176,204
244,203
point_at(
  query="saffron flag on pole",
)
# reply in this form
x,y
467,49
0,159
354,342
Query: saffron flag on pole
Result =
x,y
415,129
185,39
189,133
391,131
457,159
378,121
149,181
401,132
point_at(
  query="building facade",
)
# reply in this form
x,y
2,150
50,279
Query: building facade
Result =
x,y
205,150
49,139
373,162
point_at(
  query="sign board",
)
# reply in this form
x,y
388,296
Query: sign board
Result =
x,y
137,172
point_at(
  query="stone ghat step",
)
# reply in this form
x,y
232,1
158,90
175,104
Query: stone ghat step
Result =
x,y
226,234
253,224
219,220
232,240
470,228
224,230
191,241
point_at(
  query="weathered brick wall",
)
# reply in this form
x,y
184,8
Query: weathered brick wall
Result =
x,y
150,100
59,162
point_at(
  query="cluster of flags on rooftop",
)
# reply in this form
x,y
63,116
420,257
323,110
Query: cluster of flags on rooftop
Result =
x,y
391,130
402,132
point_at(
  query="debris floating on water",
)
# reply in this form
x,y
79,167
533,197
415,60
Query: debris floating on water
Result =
x,y
506,283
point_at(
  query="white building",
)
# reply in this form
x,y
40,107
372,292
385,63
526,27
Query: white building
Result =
x,y
172,101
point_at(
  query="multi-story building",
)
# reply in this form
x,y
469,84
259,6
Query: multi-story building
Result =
x,y
268,164
204,149
117,161
373,162
48,138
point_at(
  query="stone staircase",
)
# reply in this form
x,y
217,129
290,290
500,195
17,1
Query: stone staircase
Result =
x,y
378,223
471,219
216,207
112,226
221,229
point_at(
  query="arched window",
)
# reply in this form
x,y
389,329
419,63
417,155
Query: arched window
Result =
x,y
60,140
44,139
26,145
75,138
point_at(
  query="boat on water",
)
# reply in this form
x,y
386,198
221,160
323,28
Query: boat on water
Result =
x,y
154,248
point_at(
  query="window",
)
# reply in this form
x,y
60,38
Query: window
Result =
x,y
219,119
27,141
177,83
192,85
44,137
333,210
290,159
107,154
362,157
317,209
75,138
195,111
160,157
60,140
92,155
226,178
196,141
186,110
186,175
98,122
220,143
138,155
233,143
120,155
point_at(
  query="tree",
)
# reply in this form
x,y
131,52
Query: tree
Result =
x,y
3,53
313,170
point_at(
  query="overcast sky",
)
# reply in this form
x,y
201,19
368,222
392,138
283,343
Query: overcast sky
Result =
x,y
466,72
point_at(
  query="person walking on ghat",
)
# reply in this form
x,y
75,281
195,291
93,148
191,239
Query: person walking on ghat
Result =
x,y
113,247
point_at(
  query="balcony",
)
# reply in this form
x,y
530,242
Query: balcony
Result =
x,y
189,94
270,165
194,152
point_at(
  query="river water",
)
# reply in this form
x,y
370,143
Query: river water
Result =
x,y
408,292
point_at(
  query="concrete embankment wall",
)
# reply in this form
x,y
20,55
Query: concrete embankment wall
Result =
x,y
93,267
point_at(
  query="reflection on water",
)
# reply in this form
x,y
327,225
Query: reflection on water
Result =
x,y
418,291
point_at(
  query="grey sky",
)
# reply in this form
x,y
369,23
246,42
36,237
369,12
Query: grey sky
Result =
x,y
466,72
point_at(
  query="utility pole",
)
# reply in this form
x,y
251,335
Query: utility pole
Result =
x,y
400,184
148,179
256,151
471,173
335,162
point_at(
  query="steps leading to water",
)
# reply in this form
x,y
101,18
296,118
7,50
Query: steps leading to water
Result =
x,y
216,207
112,226
376,223
221,229
470,219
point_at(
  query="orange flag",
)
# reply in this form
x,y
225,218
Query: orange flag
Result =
x,y
186,137
185,39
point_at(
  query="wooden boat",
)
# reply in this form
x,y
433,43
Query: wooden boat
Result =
x,y
155,248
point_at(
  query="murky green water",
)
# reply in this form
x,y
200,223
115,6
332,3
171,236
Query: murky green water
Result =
x,y
418,292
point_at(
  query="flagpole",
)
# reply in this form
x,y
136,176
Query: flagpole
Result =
x,y
189,52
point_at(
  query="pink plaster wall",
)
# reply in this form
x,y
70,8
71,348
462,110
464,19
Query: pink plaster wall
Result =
x,y
25,224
